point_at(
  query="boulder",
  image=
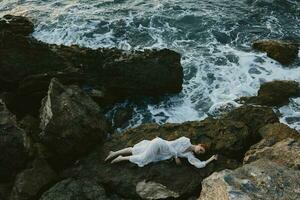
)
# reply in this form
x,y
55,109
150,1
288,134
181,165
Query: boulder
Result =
x,y
27,66
79,189
122,116
254,117
225,136
71,123
32,89
283,52
13,156
5,189
262,179
16,25
151,190
150,73
277,132
32,181
285,152
274,93
272,133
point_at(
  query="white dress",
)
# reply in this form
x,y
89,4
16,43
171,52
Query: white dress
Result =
x,y
158,149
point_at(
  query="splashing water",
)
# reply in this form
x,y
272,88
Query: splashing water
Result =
x,y
213,36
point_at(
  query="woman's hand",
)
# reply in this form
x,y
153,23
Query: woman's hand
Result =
x,y
178,161
215,157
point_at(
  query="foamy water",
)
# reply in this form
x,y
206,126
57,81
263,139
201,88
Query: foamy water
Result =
x,y
214,38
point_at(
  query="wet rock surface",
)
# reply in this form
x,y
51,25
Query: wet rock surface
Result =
x,y
283,52
122,116
274,93
58,146
16,25
27,66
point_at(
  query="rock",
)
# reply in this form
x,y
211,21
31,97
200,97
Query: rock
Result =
x,y
33,89
122,116
32,181
71,122
272,134
254,117
283,52
78,189
118,74
278,131
5,189
151,73
262,179
16,24
275,93
152,190
228,136
285,152
13,156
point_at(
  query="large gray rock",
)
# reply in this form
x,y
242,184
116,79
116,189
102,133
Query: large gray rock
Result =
x,y
259,180
273,133
277,131
30,182
285,152
75,189
13,156
151,190
71,122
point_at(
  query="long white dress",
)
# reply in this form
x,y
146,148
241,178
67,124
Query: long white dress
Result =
x,y
158,149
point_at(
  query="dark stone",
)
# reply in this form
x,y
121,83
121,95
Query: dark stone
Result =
x,y
13,156
283,52
229,136
27,66
275,93
122,116
150,73
71,122
254,117
32,181
16,24
79,189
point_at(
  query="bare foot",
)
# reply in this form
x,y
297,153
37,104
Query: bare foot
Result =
x,y
118,159
110,155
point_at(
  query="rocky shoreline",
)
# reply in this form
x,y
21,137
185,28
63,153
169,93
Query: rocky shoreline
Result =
x,y
54,135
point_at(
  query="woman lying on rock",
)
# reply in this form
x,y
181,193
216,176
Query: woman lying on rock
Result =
x,y
155,150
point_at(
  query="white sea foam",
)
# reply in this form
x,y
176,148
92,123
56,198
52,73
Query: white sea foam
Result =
x,y
214,38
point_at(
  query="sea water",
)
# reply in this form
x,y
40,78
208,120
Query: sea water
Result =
x,y
213,36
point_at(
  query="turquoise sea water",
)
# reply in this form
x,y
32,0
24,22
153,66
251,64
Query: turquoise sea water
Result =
x,y
213,36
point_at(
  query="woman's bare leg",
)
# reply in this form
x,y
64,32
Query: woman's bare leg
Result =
x,y
120,152
120,158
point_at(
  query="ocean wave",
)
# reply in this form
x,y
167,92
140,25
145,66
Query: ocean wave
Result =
x,y
214,38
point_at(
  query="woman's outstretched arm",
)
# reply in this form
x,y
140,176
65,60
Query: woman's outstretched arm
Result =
x,y
214,157
198,163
